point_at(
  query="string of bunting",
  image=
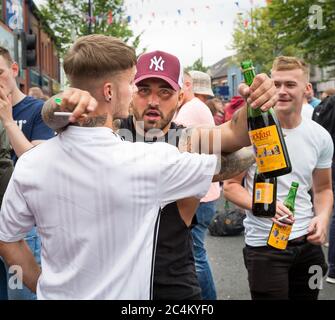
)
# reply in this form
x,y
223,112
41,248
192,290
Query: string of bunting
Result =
x,y
109,17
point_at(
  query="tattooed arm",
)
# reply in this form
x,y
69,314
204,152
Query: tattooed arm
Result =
x,y
54,122
230,165
77,101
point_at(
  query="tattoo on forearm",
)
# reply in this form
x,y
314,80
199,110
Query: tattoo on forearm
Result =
x,y
234,163
235,117
185,141
95,121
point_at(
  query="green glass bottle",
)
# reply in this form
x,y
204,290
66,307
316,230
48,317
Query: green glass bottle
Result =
x,y
279,235
266,135
264,198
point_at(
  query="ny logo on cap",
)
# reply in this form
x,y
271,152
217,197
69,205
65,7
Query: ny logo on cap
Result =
x,y
158,64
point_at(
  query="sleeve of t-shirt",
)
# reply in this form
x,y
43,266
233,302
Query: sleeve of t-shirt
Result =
x,y
40,130
327,150
16,219
183,175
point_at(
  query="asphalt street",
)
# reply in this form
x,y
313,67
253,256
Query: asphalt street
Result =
x,y
230,275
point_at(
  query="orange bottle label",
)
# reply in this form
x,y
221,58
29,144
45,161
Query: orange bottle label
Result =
x,y
278,237
263,193
268,149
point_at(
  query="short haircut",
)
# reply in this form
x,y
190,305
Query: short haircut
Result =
x,y
97,56
284,63
329,92
6,55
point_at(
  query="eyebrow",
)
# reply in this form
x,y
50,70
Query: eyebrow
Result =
x,y
162,86
286,82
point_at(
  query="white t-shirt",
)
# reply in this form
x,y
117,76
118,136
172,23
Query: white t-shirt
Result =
x,y
307,110
309,146
196,113
95,200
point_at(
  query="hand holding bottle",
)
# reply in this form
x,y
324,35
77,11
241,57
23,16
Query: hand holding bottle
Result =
x,y
261,94
283,215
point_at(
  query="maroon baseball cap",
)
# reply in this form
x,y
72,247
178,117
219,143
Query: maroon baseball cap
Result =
x,y
162,65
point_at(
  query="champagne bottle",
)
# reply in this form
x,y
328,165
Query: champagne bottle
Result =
x,y
264,198
266,136
279,235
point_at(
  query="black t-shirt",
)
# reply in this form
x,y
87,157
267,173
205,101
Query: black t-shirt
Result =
x,y
175,277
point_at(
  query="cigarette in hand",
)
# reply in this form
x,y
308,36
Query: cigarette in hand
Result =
x,y
62,114
283,217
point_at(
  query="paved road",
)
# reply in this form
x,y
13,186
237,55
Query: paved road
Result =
x,y
225,254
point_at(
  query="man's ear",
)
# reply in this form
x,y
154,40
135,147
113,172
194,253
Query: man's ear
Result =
x,y
108,91
308,89
180,97
15,69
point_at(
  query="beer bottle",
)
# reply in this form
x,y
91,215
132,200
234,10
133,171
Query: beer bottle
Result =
x,y
266,135
279,235
264,198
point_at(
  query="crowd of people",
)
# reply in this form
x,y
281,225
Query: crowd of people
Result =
x,y
117,203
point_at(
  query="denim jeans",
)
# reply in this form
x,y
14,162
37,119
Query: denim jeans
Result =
x,y
34,243
3,281
205,214
331,248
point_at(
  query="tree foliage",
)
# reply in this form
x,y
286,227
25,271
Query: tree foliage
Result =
x,y
69,19
197,65
302,28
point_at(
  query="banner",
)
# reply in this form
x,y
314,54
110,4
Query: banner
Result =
x,y
14,14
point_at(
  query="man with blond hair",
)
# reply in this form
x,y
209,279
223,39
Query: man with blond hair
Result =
x,y
286,274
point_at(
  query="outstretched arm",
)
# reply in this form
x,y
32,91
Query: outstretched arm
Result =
x,y
230,165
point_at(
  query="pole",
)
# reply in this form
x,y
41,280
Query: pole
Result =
x,y
202,55
89,17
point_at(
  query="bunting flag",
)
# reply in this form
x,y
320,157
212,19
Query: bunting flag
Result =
x,y
221,22
208,7
237,4
153,14
110,17
246,23
179,11
193,10
129,19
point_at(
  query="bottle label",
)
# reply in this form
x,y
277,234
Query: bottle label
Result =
x,y
268,149
278,237
263,193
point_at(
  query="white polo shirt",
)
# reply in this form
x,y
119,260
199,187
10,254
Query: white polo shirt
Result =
x,y
95,200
